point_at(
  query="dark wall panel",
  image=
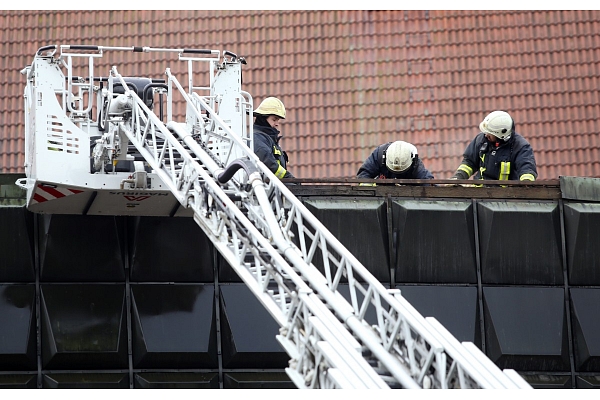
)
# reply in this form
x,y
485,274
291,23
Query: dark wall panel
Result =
x,y
169,249
78,248
176,380
548,381
588,382
525,328
18,381
455,307
173,326
585,306
520,243
83,327
16,237
18,342
257,380
434,241
360,225
248,331
582,237
86,381
226,273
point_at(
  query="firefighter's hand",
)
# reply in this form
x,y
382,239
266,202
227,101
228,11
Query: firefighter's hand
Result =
x,y
451,184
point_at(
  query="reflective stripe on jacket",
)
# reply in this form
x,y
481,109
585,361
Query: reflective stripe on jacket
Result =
x,y
511,160
266,147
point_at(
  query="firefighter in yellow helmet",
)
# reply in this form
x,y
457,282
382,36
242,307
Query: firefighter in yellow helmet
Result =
x,y
498,152
394,160
267,136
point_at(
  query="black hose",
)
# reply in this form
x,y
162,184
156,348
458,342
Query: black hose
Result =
x,y
41,49
234,167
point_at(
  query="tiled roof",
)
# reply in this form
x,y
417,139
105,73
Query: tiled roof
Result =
x,y
351,80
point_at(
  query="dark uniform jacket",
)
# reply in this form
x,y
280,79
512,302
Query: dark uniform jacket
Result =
x,y
266,147
374,167
510,160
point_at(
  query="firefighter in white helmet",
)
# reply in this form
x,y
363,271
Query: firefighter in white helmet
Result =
x,y
498,152
394,160
266,136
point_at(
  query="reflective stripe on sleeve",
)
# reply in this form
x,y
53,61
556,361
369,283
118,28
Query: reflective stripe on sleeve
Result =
x,y
280,173
466,168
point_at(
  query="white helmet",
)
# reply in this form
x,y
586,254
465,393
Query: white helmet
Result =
x,y
499,124
399,156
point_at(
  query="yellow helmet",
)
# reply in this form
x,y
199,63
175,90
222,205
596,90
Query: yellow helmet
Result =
x,y
271,106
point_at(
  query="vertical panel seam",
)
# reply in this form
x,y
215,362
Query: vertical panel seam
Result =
x,y
128,308
566,293
479,282
217,299
38,334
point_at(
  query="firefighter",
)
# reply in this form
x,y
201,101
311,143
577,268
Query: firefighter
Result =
x,y
394,160
266,136
498,152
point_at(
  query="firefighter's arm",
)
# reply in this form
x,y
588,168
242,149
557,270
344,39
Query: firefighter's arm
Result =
x,y
266,156
370,168
525,164
461,172
469,162
281,172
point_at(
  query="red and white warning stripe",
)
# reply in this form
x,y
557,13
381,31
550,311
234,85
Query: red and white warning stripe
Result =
x,y
44,193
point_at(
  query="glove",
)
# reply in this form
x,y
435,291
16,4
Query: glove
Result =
x,y
460,175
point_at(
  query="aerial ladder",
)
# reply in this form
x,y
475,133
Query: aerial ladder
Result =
x,y
109,145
